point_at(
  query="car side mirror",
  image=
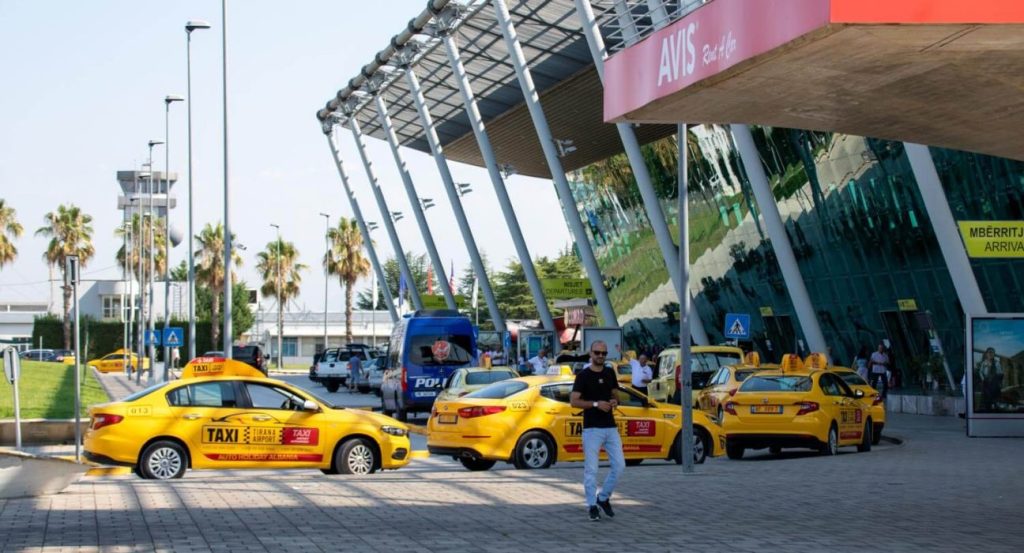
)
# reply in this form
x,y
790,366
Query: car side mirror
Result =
x,y
310,405
858,394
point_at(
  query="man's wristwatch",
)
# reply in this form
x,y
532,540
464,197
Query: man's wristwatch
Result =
x,y
595,405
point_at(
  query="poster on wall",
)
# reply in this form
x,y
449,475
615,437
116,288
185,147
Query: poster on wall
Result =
x,y
994,380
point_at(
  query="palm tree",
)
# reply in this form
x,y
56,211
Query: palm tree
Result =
x,y
8,226
210,269
345,260
70,233
279,267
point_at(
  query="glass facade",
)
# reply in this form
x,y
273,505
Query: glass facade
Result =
x,y
862,239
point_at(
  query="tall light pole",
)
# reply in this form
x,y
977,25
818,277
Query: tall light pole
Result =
x,y
227,339
327,240
280,308
126,232
372,226
152,258
168,100
189,27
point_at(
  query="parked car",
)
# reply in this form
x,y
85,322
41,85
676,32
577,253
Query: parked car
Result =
x,y
363,381
39,355
66,356
331,368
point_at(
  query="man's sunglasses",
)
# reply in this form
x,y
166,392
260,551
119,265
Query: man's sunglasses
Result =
x,y
595,352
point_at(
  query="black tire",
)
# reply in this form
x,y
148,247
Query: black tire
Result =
x,y
633,462
831,445
774,450
876,434
477,464
734,451
356,456
535,450
701,445
865,444
332,386
163,460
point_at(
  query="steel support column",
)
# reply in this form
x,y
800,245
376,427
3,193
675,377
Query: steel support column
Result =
x,y
652,207
414,199
453,197
540,124
780,240
403,263
487,152
368,242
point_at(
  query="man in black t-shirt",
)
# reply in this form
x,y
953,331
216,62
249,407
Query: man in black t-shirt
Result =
x,y
594,392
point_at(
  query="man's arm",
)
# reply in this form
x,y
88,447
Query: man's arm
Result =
x,y
578,402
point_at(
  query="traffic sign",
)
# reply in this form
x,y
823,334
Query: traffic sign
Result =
x,y
152,337
173,336
737,326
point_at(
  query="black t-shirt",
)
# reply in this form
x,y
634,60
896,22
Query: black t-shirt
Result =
x,y
596,386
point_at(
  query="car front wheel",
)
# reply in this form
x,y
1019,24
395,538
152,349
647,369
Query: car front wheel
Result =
x,y
163,460
356,456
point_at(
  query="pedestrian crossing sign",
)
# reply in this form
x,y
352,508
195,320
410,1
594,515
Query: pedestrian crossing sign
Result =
x,y
174,336
152,337
737,326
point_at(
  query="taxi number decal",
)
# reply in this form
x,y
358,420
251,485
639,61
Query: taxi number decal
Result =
x,y
518,406
140,410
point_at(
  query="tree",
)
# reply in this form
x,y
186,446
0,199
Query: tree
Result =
x,y
70,233
180,273
345,260
9,230
418,267
210,269
280,270
242,317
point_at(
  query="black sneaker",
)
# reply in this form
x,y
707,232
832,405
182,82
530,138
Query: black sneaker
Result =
x,y
595,515
606,506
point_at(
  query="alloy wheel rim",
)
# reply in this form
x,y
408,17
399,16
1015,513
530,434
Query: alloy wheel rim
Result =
x,y
698,446
535,453
360,459
164,463
832,442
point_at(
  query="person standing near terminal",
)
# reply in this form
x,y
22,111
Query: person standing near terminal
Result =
x,y
641,373
594,392
539,362
879,364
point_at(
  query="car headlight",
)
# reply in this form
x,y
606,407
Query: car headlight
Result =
x,y
394,430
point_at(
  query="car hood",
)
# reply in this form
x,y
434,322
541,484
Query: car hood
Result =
x,y
371,418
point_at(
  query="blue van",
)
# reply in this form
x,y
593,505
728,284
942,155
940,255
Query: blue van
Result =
x,y
426,348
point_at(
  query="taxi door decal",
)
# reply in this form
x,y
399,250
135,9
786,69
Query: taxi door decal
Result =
x,y
851,422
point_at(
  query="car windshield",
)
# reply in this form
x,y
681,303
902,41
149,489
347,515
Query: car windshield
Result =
x,y
853,379
435,347
498,390
487,377
777,384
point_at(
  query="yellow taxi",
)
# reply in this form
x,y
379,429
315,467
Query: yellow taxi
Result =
x,y
114,362
796,407
723,383
471,379
705,361
528,422
226,414
855,381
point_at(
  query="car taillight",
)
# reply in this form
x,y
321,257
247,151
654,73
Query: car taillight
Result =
x,y
470,412
100,420
730,407
807,407
878,400
405,380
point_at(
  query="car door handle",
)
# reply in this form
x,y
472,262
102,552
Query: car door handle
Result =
x,y
261,418
191,417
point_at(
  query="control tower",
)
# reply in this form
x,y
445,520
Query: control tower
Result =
x,y
135,184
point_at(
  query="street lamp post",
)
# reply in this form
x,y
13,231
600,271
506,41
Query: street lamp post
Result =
x,y
280,308
168,100
126,229
227,338
189,27
327,240
152,260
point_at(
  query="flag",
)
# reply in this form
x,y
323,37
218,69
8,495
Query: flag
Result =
x,y
401,290
475,286
430,280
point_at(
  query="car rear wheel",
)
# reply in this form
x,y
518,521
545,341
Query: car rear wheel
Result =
x,y
163,460
633,462
774,450
865,444
356,456
734,451
831,446
476,464
331,385
876,434
534,451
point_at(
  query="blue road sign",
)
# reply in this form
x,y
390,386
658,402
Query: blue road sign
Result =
x,y
152,337
174,336
737,326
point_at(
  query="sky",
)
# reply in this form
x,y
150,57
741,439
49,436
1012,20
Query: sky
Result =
x,y
82,94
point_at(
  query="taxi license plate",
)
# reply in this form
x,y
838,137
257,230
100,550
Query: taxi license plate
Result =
x,y
766,409
447,419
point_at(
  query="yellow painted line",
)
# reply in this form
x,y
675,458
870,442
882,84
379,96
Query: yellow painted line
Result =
x,y
108,471
419,454
421,430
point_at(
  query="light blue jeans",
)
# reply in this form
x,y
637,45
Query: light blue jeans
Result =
x,y
594,439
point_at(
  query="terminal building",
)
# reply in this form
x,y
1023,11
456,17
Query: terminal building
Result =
x,y
829,162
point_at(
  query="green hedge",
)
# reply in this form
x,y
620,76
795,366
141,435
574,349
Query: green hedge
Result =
x,y
102,337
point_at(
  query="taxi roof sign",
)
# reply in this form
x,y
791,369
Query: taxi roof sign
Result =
x,y
202,367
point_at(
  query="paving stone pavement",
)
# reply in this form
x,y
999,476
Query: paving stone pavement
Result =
x,y
939,491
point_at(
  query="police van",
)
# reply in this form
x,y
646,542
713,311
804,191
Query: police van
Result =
x,y
426,348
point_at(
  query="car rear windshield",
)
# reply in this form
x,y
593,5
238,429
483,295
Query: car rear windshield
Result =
x,y
711,362
742,375
487,377
853,379
451,349
777,384
143,393
499,390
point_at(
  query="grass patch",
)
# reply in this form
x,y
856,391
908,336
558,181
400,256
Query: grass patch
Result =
x,y
47,391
